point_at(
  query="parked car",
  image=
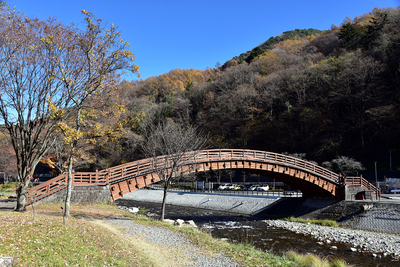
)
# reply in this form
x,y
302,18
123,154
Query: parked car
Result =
x,y
236,187
245,187
394,191
239,187
224,186
253,187
232,187
264,187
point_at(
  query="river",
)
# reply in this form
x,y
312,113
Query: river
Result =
x,y
250,229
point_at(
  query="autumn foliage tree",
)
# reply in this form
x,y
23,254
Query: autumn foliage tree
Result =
x,y
98,56
30,58
48,73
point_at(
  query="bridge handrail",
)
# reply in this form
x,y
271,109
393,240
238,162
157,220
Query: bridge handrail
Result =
x,y
263,156
44,189
144,166
362,181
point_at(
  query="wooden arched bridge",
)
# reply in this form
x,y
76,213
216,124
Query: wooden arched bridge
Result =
x,y
311,179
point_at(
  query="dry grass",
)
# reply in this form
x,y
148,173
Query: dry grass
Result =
x,y
49,242
311,260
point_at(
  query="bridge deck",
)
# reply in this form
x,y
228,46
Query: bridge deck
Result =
x,y
138,171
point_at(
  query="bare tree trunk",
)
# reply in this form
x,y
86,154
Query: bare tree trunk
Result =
x,y
21,196
23,187
164,200
69,187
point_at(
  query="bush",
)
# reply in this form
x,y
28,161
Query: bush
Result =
x,y
186,186
6,186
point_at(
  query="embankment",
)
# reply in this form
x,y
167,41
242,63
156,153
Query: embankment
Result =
x,y
241,204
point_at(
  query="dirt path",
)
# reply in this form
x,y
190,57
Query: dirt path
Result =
x,y
156,255
164,247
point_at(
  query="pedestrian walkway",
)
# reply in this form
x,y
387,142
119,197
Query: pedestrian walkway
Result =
x,y
8,204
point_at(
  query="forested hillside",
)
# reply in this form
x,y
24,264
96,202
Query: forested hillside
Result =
x,y
323,93
326,94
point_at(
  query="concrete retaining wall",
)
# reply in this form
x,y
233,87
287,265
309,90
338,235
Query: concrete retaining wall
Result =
x,y
241,204
81,194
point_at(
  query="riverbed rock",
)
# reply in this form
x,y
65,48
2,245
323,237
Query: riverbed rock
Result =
x,y
190,223
179,222
133,210
367,207
6,261
362,241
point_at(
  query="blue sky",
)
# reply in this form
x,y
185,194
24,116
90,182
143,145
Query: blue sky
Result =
x,y
170,34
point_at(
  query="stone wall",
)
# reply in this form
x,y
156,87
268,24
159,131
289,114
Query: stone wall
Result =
x,y
81,194
357,192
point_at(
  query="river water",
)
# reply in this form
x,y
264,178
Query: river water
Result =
x,y
249,229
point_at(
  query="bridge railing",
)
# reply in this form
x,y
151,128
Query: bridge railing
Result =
x,y
263,156
44,189
99,178
145,166
362,181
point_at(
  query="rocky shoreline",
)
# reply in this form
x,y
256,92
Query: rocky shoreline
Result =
x,y
379,244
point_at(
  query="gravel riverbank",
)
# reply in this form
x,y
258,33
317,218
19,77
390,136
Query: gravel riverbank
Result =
x,y
368,217
174,241
380,244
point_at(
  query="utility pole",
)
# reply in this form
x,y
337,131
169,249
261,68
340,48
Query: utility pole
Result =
x,y
376,176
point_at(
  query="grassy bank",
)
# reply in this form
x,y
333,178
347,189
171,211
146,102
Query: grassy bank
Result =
x,y
8,189
312,221
85,241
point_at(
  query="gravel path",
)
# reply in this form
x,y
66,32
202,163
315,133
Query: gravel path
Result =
x,y
381,244
175,241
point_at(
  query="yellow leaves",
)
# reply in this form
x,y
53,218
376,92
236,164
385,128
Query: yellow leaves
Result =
x,y
85,12
267,55
71,135
311,37
68,81
134,120
47,40
89,114
33,47
119,108
128,54
55,112
48,161
292,46
134,69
